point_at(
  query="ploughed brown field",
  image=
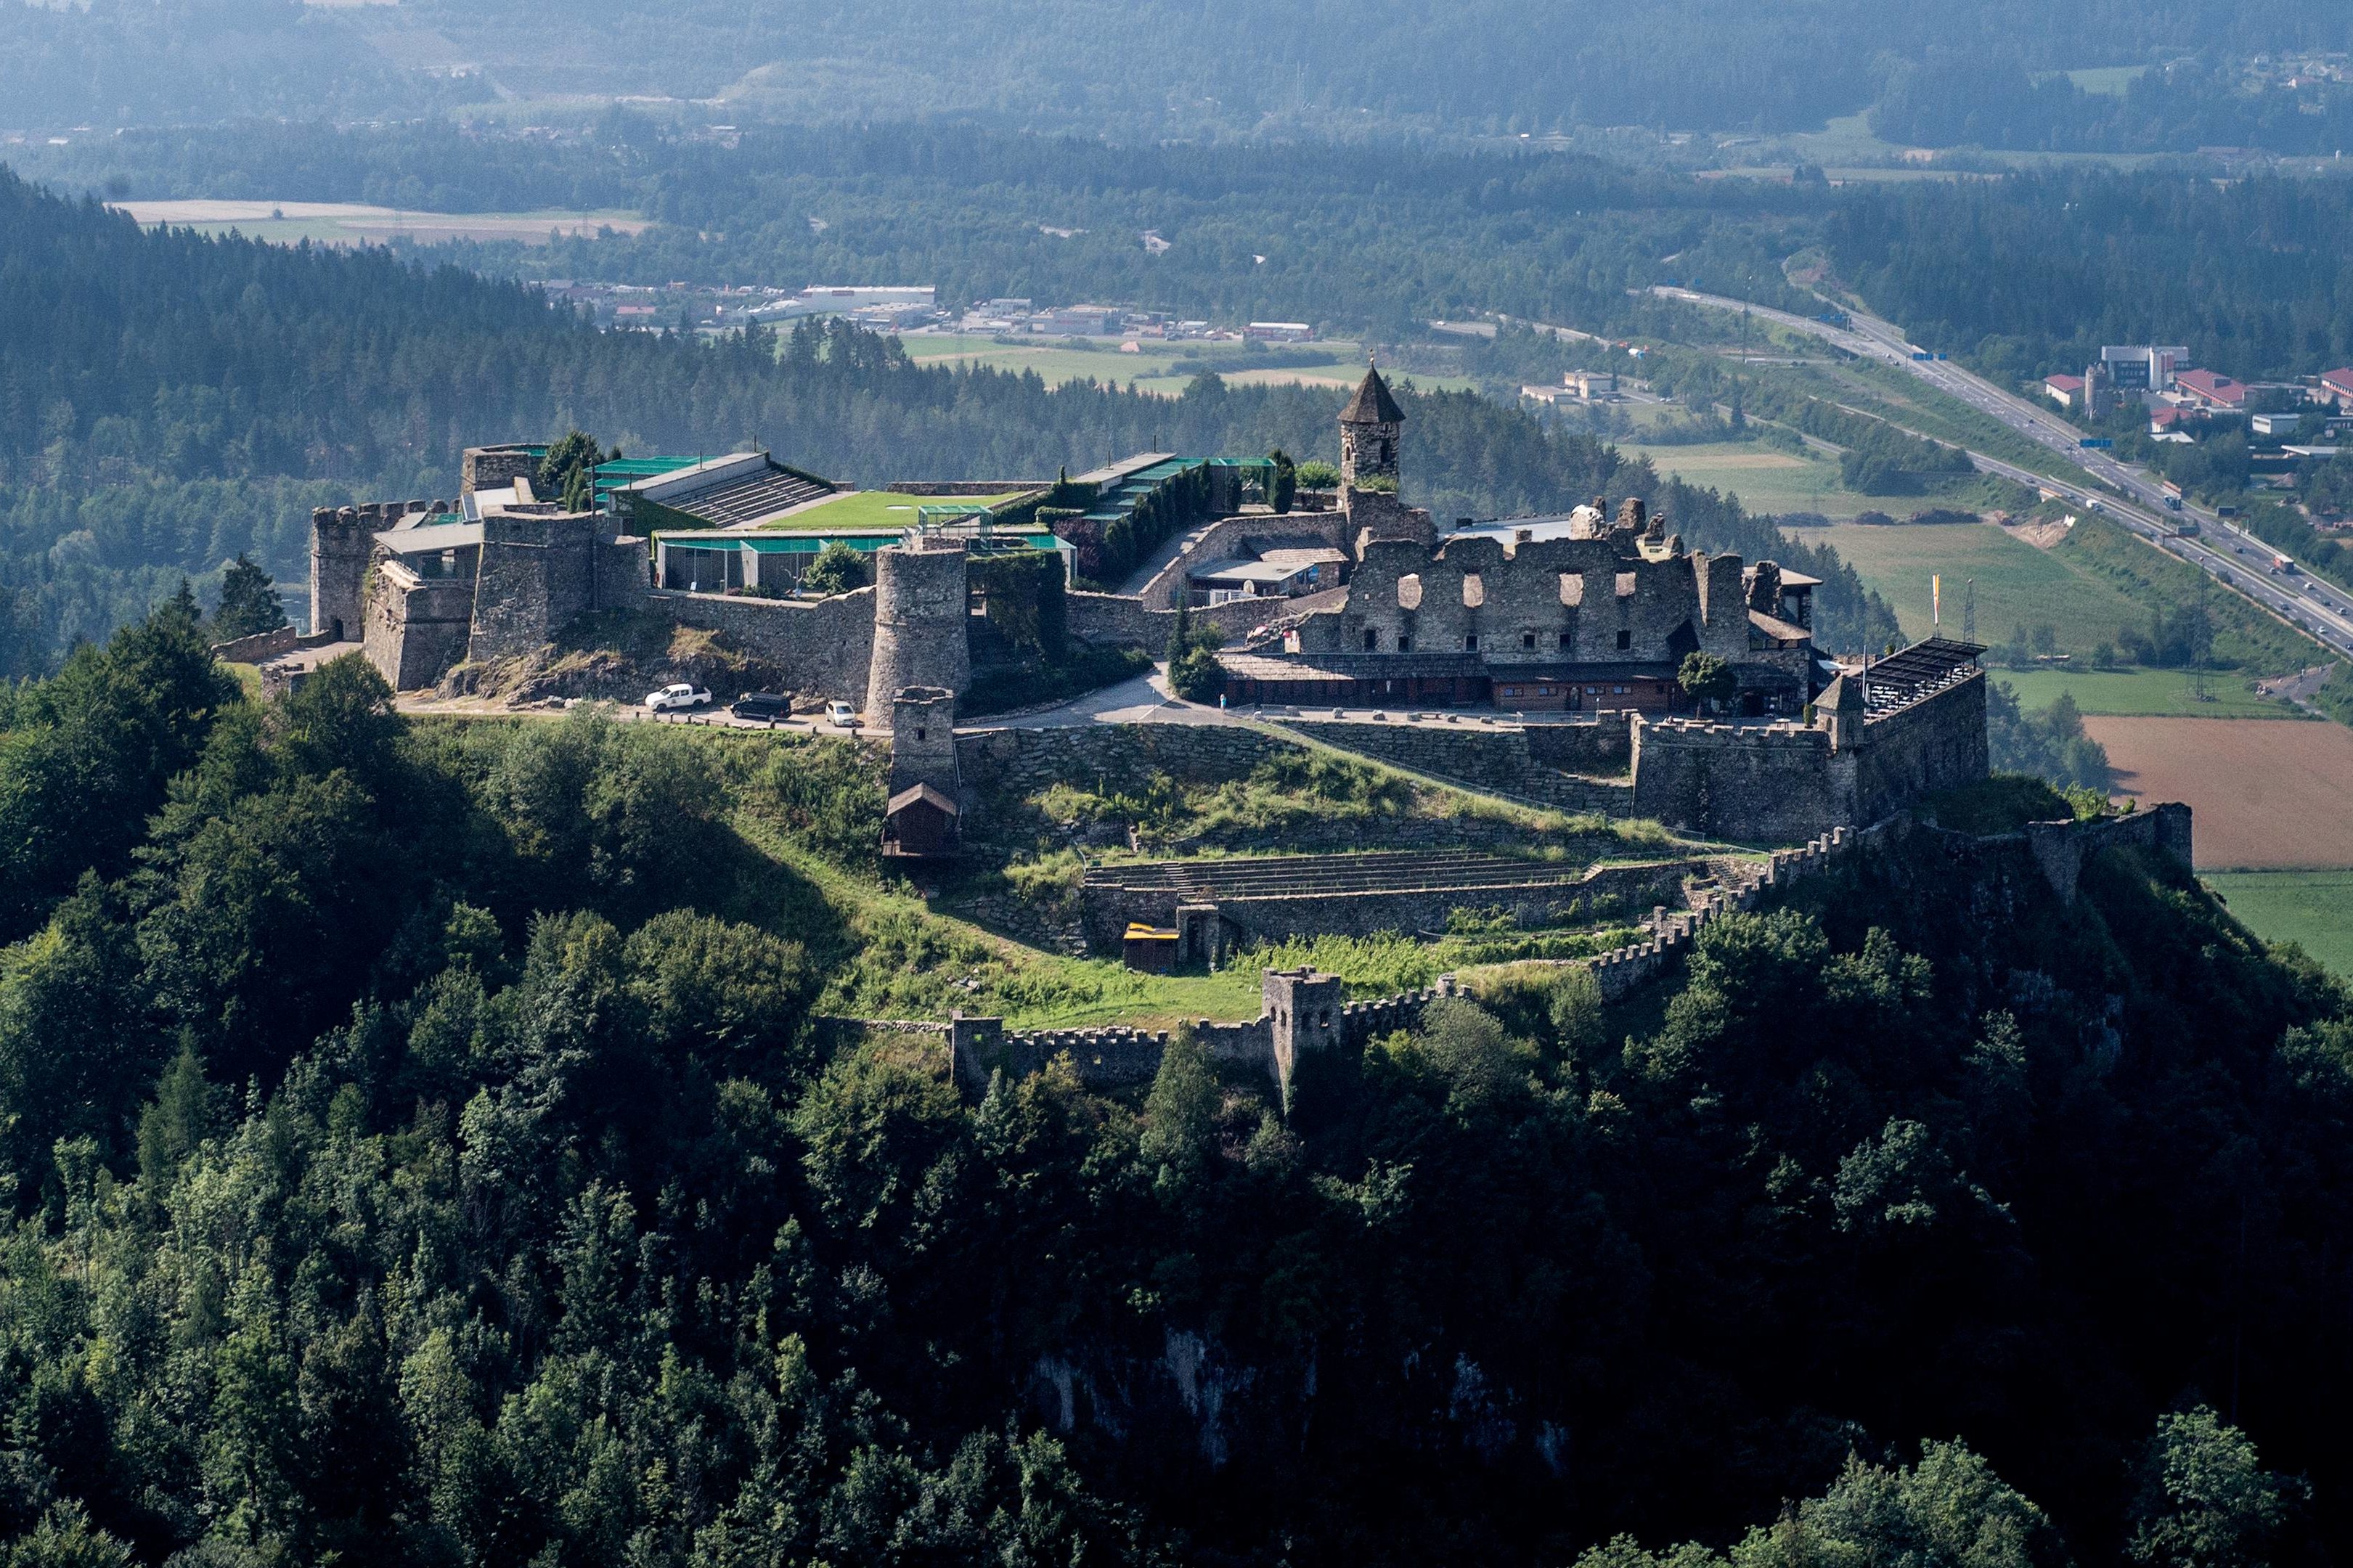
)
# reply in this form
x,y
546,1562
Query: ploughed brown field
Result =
x,y
2268,795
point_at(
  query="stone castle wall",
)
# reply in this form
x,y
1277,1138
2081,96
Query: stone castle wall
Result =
x,y
416,627
1115,1058
2061,849
825,643
1118,620
1936,743
536,576
1751,784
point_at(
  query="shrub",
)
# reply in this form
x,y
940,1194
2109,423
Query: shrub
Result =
x,y
837,568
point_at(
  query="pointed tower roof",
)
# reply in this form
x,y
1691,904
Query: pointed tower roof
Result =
x,y
1373,404
1841,696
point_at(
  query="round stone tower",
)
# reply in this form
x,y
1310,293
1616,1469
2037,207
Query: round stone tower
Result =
x,y
920,593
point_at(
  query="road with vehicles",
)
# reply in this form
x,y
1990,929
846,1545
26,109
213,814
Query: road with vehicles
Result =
x,y
2126,495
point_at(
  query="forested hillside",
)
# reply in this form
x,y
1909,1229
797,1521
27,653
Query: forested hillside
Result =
x,y
2031,273
1382,236
1138,69
167,401
424,1150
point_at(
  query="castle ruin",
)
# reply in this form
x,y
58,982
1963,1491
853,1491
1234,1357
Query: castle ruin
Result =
x,y
1578,624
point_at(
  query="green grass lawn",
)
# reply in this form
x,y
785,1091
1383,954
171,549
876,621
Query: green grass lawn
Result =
x,y
862,511
2016,584
2166,692
2313,908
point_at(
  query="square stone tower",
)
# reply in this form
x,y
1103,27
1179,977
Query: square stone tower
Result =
x,y
1372,430
1302,1014
923,739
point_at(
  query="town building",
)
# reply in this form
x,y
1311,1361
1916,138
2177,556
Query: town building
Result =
x,y
2209,392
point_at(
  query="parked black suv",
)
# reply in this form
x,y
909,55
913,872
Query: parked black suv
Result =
x,y
765,706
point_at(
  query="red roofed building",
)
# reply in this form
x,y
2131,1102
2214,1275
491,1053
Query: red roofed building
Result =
x,y
2336,386
2064,390
2210,389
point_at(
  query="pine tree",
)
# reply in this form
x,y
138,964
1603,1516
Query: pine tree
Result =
x,y
248,602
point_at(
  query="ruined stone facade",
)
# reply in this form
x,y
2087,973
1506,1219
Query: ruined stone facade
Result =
x,y
1566,615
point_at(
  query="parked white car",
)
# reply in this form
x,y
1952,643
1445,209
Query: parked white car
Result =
x,y
841,715
677,695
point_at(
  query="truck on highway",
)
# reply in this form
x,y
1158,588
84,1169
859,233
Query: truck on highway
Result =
x,y
2282,564
2173,503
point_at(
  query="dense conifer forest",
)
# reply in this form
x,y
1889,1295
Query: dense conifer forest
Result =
x,y
423,1146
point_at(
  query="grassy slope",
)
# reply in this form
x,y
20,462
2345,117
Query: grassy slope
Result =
x,y
888,952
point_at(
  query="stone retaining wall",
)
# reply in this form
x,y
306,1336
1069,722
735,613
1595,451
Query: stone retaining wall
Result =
x,y
1601,892
1022,762
1490,758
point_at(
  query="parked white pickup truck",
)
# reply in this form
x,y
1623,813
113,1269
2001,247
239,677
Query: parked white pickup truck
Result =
x,y
678,694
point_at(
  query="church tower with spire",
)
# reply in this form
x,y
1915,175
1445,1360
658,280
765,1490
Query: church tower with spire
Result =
x,y
1372,427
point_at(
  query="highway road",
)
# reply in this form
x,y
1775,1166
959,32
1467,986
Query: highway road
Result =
x,y
2134,501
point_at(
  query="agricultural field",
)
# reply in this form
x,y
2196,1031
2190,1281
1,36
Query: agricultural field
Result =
x,y
1765,478
2168,693
1154,366
2269,796
350,223
2016,584
2311,908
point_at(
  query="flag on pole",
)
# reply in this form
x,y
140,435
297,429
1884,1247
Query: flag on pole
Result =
x,y
1936,599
